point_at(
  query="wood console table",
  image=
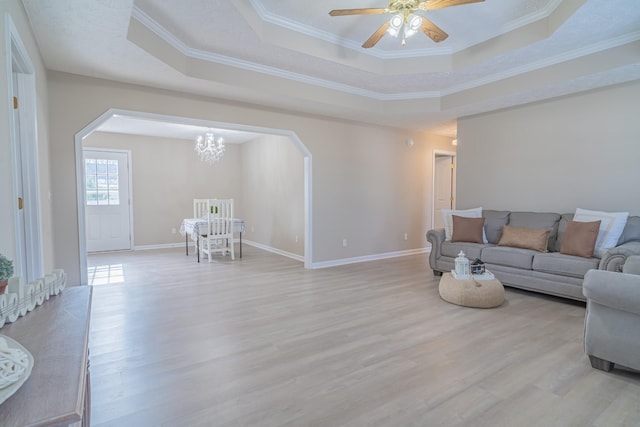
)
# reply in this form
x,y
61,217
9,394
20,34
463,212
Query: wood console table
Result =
x,y
57,335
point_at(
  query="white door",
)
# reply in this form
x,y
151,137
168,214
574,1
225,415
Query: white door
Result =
x,y
21,236
28,262
107,200
443,186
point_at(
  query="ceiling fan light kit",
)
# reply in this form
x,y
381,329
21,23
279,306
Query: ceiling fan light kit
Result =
x,y
408,26
404,20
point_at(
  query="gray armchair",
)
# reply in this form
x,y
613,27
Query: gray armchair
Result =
x,y
612,322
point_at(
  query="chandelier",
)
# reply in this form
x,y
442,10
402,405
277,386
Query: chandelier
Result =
x,y
209,148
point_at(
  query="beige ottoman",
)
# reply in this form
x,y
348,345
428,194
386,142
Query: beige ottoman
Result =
x,y
470,293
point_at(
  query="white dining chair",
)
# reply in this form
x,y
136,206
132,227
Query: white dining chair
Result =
x,y
219,234
200,208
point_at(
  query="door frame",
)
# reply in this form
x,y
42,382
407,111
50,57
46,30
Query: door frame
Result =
x,y
91,127
441,153
29,255
129,183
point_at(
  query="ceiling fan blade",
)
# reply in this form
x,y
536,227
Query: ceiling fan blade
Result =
x,y
375,37
433,31
441,4
344,12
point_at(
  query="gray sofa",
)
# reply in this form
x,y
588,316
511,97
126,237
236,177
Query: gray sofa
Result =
x,y
612,322
547,272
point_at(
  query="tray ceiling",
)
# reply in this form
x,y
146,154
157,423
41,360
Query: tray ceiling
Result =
x,y
291,54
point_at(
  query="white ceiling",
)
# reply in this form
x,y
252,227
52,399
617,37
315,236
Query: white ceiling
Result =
x,y
291,54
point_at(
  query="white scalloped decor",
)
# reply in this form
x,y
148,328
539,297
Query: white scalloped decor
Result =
x,y
20,298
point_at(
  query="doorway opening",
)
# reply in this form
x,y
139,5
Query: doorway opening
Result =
x,y
444,185
93,126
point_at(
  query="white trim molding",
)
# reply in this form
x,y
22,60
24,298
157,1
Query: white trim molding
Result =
x,y
91,127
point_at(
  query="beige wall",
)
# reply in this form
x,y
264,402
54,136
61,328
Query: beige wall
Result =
x,y
273,193
7,196
367,185
166,177
576,151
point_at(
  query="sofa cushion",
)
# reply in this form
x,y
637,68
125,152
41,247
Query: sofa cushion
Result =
x,y
525,238
565,219
508,256
632,265
566,265
580,238
447,219
467,229
471,250
539,220
611,228
494,221
631,230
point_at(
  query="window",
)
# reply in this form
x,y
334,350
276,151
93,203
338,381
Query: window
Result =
x,y
102,186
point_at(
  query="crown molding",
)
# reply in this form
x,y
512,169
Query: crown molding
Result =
x,y
547,62
187,51
532,17
184,49
308,30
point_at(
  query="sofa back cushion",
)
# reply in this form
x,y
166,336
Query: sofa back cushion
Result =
x,y
525,238
493,223
580,238
565,219
631,230
447,218
467,229
537,220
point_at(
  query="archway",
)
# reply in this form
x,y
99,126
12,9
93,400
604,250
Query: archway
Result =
x,y
95,124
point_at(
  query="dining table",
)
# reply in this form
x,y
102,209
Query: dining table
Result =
x,y
190,227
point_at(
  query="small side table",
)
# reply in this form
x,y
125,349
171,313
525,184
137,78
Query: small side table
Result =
x,y
471,293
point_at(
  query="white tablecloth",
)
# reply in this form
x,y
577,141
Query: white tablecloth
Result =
x,y
192,226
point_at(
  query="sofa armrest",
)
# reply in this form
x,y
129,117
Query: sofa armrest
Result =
x,y
435,237
614,258
632,266
615,290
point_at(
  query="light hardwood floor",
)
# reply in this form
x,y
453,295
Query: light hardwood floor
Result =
x,y
261,341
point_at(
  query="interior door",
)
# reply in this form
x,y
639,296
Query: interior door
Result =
x,y
107,210
443,197
21,235
29,256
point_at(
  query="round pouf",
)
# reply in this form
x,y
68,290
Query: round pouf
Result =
x,y
470,293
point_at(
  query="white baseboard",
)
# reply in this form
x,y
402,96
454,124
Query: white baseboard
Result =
x,y
192,244
162,246
273,250
345,261
315,265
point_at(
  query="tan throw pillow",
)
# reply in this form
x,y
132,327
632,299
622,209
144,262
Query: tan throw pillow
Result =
x,y
580,238
525,238
467,229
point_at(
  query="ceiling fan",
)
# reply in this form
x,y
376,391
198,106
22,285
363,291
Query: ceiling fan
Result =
x,y
404,20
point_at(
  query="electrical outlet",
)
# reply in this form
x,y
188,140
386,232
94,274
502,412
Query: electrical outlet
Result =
x,y
406,236
173,231
296,239
253,230
344,243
